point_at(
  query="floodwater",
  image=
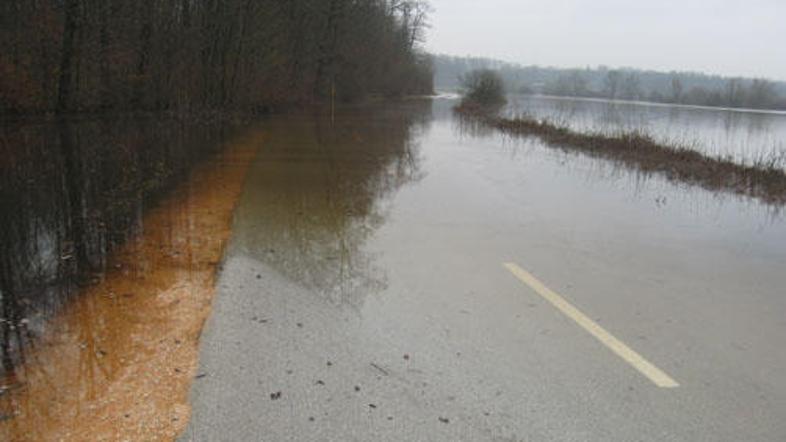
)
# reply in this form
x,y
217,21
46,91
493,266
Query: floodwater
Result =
x,y
320,190
72,192
364,296
111,235
368,236
744,135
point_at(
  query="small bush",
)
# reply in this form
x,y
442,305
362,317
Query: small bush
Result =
x,y
484,87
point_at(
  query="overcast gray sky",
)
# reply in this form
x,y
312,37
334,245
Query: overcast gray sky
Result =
x,y
730,37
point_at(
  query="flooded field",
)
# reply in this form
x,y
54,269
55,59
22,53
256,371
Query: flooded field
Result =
x,y
362,294
745,135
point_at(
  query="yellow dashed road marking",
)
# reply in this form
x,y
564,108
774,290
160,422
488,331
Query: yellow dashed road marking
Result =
x,y
653,373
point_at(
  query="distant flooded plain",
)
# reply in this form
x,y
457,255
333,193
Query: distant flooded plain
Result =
x,y
745,135
111,232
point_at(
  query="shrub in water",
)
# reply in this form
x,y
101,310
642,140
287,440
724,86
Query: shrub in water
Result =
x,y
484,87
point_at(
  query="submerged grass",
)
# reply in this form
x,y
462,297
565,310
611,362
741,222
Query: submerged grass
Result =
x,y
764,179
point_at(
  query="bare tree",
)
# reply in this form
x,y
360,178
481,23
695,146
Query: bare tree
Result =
x,y
761,94
67,54
611,84
163,54
676,89
734,93
631,88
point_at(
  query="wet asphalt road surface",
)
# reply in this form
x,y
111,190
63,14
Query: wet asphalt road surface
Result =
x,y
364,296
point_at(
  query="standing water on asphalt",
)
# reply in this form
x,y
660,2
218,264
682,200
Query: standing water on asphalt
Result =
x,y
363,295
371,244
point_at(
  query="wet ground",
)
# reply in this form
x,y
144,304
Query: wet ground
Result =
x,y
391,274
367,294
109,262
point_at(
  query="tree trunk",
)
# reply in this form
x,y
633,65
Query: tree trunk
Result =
x,y
67,55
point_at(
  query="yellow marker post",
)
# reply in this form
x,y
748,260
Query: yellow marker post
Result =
x,y
653,373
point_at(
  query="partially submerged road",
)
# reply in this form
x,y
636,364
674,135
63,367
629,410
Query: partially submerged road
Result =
x,y
392,278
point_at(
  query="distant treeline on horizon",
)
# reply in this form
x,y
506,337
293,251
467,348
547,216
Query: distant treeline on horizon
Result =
x,y
624,84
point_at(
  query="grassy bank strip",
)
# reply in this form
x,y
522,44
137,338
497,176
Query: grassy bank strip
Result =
x,y
764,181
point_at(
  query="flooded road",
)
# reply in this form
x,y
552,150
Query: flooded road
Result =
x,y
365,293
390,274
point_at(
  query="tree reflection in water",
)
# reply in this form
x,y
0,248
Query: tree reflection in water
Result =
x,y
319,190
70,192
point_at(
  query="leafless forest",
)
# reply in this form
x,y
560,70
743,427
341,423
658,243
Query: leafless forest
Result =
x,y
70,56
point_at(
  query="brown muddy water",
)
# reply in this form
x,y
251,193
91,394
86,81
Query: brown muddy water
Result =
x,y
111,233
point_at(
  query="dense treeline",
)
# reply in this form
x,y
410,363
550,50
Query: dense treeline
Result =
x,y
86,55
626,84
